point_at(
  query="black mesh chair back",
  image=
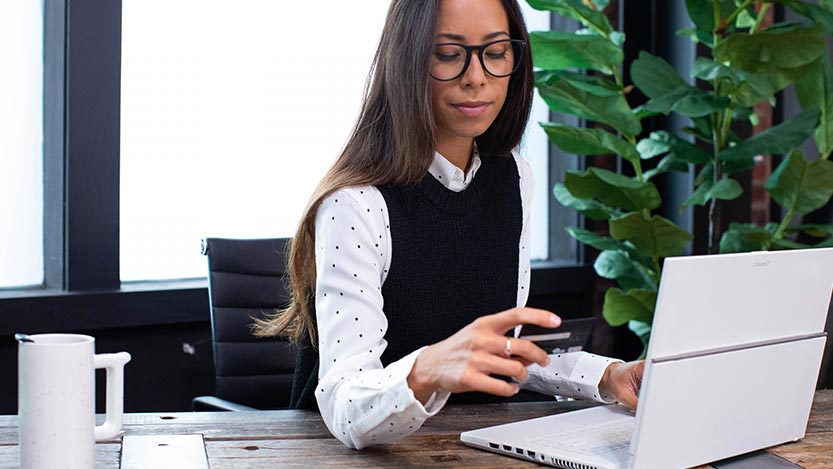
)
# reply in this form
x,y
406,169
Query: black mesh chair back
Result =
x,y
246,279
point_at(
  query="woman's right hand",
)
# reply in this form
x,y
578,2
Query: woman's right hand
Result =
x,y
465,361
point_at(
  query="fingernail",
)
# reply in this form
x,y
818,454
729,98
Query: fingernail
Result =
x,y
547,360
517,389
555,320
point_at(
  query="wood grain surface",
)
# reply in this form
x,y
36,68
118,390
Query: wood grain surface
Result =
x,y
291,438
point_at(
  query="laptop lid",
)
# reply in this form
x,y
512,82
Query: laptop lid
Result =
x,y
734,355
718,301
705,407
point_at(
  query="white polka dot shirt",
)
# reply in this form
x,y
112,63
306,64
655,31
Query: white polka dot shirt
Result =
x,y
361,401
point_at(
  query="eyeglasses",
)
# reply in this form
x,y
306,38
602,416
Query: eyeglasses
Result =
x,y
499,58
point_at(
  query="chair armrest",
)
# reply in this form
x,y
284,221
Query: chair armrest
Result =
x,y
212,403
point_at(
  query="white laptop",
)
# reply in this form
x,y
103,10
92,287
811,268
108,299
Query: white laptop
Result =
x,y
732,367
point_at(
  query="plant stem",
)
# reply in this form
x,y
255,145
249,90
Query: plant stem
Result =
x,y
738,11
715,214
640,175
760,18
784,224
726,127
657,267
617,76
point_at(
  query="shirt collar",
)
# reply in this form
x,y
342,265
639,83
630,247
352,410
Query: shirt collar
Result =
x,y
451,176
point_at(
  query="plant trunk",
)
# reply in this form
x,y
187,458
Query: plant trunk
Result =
x,y
715,215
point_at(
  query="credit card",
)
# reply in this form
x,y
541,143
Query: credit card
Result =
x,y
571,336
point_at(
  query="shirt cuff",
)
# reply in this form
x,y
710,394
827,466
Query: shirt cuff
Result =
x,y
587,376
574,375
400,371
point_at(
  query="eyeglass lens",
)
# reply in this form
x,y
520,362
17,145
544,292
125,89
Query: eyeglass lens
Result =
x,y
498,58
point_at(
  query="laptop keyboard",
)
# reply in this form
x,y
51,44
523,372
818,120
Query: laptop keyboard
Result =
x,y
592,440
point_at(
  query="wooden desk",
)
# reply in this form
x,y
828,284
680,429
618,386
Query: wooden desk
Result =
x,y
299,438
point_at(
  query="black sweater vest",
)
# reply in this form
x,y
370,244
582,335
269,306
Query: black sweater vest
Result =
x,y
454,258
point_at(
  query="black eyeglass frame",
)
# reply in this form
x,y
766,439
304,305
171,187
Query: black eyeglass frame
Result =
x,y
480,48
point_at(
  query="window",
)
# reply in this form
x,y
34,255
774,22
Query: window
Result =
x,y
21,143
63,250
535,147
223,134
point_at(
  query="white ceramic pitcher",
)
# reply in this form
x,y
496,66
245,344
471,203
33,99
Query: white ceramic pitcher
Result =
x,y
56,399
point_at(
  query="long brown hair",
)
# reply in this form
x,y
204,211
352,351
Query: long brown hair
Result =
x,y
393,140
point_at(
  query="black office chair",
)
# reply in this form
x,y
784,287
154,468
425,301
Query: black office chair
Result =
x,y
246,280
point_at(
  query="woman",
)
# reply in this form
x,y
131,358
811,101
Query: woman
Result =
x,y
420,230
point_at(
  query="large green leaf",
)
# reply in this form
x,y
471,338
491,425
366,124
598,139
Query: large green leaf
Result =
x,y
817,13
827,243
801,186
556,50
815,91
617,265
669,163
779,54
577,10
725,189
587,207
654,76
775,140
606,243
701,129
642,330
815,230
563,96
784,243
696,36
660,142
612,189
772,48
747,89
702,14
620,307
745,237
595,85
688,101
594,240
583,141
656,237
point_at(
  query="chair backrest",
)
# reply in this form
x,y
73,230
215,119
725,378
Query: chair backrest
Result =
x,y
246,280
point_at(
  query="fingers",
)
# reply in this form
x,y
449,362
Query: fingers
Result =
x,y
527,351
504,366
488,384
503,321
626,383
628,399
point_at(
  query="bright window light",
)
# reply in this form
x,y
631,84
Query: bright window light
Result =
x,y
21,144
230,115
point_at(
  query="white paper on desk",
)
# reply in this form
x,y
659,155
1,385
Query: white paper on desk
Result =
x,y
163,452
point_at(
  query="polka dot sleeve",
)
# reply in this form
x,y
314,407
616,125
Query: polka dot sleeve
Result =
x,y
361,402
574,374
527,188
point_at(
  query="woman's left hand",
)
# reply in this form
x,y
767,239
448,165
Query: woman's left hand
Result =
x,y
622,381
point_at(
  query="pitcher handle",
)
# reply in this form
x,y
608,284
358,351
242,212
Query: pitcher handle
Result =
x,y
114,363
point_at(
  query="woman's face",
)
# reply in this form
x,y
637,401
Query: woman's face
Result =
x,y
466,106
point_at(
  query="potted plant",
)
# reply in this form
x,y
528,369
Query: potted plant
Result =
x,y
581,74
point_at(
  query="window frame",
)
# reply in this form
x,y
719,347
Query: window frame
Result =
x,y
82,289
